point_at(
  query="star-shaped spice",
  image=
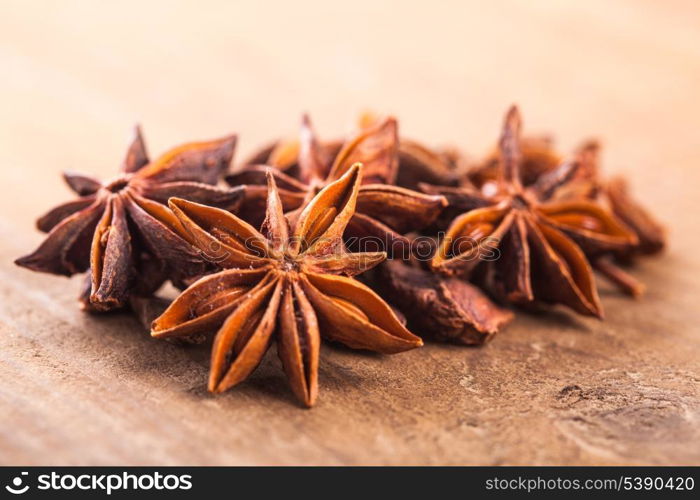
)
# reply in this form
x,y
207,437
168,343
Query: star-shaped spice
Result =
x,y
384,212
122,231
416,162
444,308
538,156
532,248
293,285
614,193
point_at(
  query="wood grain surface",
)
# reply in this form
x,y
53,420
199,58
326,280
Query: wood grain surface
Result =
x,y
550,389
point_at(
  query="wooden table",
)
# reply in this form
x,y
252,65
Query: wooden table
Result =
x,y
550,389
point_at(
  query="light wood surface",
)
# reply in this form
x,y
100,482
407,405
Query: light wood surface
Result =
x,y
553,389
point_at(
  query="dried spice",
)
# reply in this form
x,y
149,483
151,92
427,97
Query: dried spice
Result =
x,y
418,163
121,230
294,284
384,212
524,226
614,193
538,157
445,308
526,247
650,233
284,155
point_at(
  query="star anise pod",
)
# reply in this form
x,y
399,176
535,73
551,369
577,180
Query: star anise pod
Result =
x,y
538,157
614,194
293,285
384,212
527,247
417,162
122,231
284,155
651,234
445,308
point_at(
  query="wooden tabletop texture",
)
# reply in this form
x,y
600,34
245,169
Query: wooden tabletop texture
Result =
x,y
549,389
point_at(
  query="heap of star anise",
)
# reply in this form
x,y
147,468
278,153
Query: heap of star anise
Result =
x,y
385,212
293,250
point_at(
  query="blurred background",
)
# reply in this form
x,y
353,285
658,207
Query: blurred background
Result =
x,y
76,75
